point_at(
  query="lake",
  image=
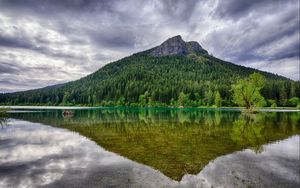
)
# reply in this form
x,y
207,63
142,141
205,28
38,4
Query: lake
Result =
x,y
149,147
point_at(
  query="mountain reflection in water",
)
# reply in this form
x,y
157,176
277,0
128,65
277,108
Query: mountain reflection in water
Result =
x,y
175,142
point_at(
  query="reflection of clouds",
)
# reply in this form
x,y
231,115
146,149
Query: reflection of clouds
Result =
x,y
34,155
276,166
289,148
29,143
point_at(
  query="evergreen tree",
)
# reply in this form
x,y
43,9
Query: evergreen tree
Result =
x,y
208,98
282,96
183,99
67,98
218,99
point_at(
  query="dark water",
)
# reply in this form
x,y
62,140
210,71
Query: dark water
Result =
x,y
45,148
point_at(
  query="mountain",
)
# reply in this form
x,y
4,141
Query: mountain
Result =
x,y
174,73
177,46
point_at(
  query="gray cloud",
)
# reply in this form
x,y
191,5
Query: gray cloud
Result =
x,y
13,42
262,35
116,37
178,9
81,36
6,68
236,9
53,5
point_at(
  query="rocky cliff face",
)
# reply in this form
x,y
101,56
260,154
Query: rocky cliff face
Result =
x,y
177,46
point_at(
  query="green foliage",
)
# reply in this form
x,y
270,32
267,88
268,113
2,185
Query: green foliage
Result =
x,y
209,98
67,98
293,102
218,99
142,100
183,99
246,92
143,80
272,103
283,97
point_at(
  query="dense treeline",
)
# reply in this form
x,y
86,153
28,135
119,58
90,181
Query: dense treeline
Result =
x,y
143,80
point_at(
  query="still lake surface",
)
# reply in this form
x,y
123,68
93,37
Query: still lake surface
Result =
x,y
139,147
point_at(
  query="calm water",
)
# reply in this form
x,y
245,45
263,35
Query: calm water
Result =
x,y
149,147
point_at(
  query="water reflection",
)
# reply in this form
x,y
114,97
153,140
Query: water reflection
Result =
x,y
3,122
175,142
276,166
249,131
35,155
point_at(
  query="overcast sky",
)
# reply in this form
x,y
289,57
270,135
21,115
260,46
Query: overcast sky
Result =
x,y
46,42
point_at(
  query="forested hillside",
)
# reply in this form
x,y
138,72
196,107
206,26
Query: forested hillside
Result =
x,y
155,78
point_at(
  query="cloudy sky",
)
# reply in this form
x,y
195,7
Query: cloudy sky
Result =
x,y
46,42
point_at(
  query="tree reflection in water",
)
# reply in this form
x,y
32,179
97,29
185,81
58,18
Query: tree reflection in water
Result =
x,y
249,132
175,142
3,120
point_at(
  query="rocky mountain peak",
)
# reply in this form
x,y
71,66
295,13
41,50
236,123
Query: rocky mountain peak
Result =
x,y
177,46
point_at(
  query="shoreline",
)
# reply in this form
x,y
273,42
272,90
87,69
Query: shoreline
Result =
x,y
260,109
